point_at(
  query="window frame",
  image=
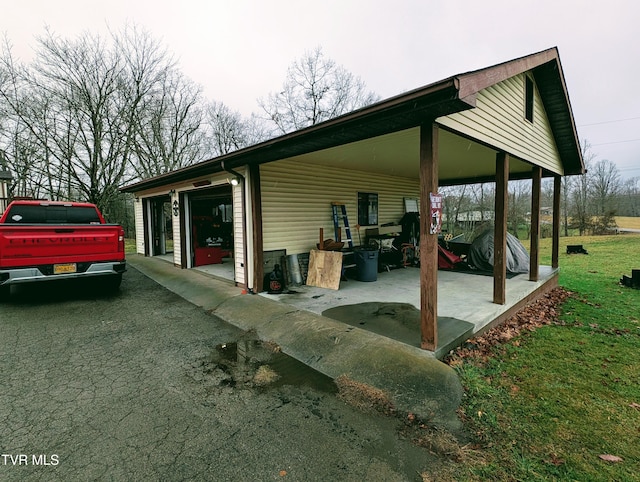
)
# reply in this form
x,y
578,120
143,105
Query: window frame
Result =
x,y
529,98
368,208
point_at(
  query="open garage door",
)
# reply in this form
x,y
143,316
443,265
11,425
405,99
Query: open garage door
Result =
x,y
158,227
212,243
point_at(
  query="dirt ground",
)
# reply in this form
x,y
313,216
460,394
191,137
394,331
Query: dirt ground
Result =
x,y
142,385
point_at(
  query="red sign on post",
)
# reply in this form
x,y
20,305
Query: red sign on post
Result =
x,y
436,213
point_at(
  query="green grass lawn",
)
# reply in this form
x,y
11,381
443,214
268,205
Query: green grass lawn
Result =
x,y
129,246
547,405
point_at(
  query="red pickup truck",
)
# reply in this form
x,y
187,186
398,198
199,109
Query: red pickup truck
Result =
x,y
47,240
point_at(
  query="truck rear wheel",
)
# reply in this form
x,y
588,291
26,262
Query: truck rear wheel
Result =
x,y
5,291
112,283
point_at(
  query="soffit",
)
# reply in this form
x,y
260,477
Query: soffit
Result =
x,y
398,154
379,137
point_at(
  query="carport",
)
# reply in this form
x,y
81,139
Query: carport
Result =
x,y
508,121
391,306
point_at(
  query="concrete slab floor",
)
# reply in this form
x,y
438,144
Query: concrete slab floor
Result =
x,y
465,304
461,296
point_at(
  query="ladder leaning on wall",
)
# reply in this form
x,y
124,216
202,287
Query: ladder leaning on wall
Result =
x,y
339,210
335,206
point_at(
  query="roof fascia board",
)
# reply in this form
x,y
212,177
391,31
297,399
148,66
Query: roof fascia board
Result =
x,y
403,111
562,112
477,80
545,64
397,113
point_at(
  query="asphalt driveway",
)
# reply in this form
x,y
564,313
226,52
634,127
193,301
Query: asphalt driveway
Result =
x,y
131,387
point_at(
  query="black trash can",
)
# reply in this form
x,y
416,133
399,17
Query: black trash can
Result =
x,y
366,263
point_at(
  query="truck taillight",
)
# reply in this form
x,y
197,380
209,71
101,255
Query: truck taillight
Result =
x,y
121,240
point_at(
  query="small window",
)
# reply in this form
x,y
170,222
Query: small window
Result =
x,y
528,99
367,209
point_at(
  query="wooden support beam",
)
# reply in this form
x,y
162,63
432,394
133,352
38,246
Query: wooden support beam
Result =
x,y
182,219
258,242
500,229
555,247
428,242
147,226
534,250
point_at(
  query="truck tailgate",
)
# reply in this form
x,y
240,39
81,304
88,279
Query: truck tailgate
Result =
x,y
32,245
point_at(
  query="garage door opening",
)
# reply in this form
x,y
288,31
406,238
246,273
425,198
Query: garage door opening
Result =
x,y
161,227
212,233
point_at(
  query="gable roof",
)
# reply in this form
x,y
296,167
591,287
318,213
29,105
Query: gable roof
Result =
x,y
404,111
547,71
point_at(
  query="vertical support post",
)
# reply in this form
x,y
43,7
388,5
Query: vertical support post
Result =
x,y
146,215
183,232
428,242
534,251
258,243
555,247
500,229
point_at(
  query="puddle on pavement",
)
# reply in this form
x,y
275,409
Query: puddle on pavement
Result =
x,y
263,365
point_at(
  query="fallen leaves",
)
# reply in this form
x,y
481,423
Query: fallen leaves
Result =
x,y
364,397
554,459
542,312
610,458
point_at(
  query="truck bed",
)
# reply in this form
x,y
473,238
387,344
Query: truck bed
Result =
x,y
33,245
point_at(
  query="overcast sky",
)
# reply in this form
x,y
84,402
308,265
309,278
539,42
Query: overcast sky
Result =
x,y
239,50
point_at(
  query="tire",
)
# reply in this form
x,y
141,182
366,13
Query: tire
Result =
x,y
111,283
5,291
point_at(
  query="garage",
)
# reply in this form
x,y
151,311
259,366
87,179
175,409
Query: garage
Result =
x,y
196,224
510,121
211,227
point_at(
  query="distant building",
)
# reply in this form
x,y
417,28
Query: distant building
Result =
x,y
5,178
472,217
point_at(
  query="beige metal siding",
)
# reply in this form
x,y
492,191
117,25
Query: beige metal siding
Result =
x,y
238,245
297,197
175,227
499,121
139,217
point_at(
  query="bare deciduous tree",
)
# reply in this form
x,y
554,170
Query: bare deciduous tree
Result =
x,y
455,201
168,124
580,205
90,115
566,189
581,199
605,186
20,145
630,197
315,89
604,189
228,131
519,205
